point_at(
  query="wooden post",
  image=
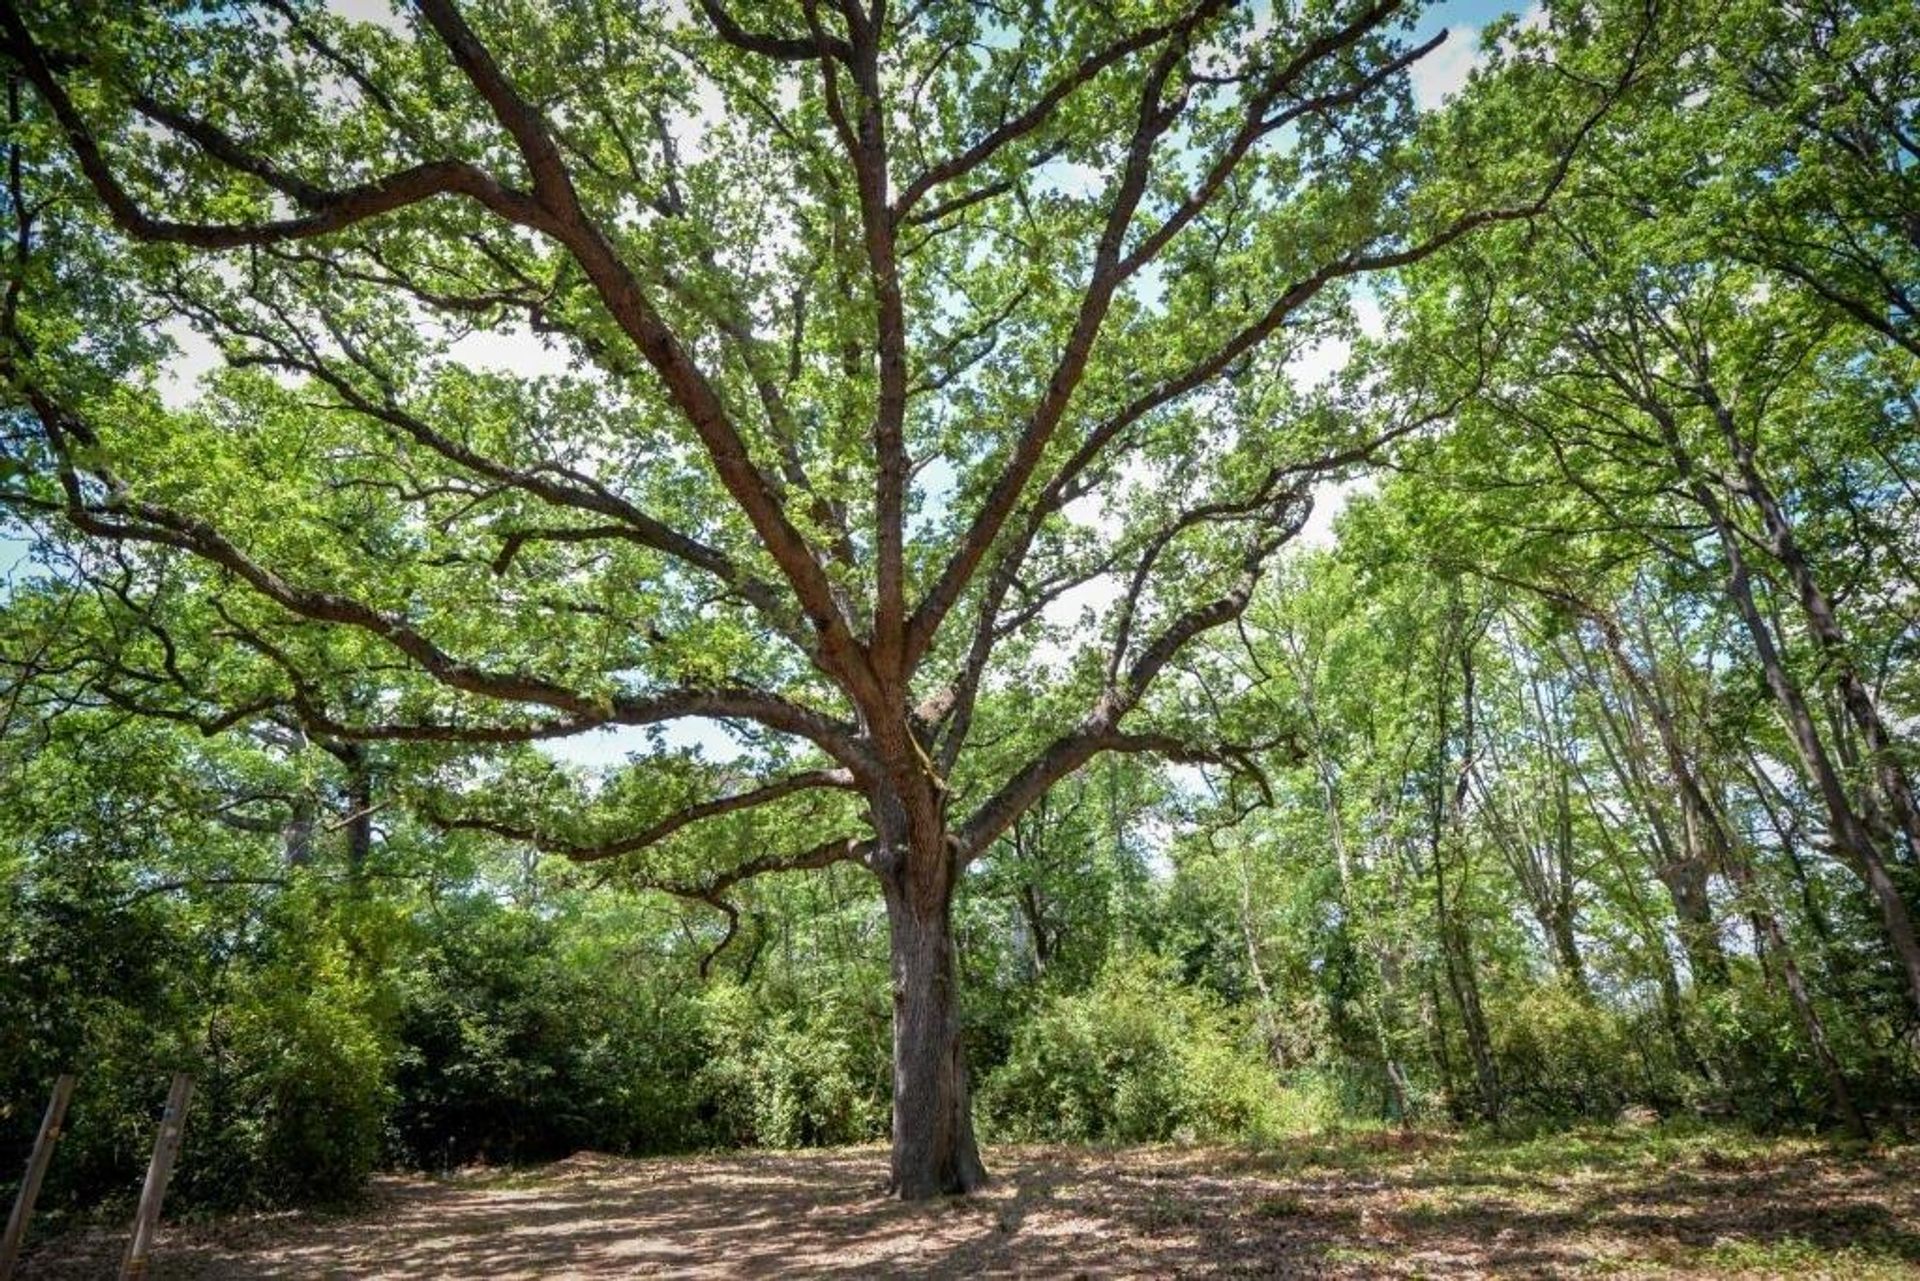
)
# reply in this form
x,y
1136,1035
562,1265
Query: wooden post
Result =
x,y
36,1172
173,1122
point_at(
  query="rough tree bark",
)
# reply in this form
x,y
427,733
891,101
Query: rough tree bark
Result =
x,y
934,1152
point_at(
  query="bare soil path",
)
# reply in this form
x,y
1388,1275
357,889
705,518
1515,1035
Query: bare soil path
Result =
x,y
1611,1203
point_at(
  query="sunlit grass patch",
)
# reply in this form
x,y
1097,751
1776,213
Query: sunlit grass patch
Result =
x,y
1281,1206
1356,1254
1802,1259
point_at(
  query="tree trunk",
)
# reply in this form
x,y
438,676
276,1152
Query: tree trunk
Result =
x,y
1849,834
1268,1017
1824,625
1385,998
1455,938
1457,950
934,1152
1682,865
1566,949
1433,1015
1767,927
1654,939
359,818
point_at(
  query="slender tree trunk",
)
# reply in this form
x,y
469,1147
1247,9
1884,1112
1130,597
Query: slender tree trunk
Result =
x,y
1708,832
1434,1016
1565,896
1249,937
1683,865
1457,952
1456,955
1038,950
1553,871
934,1152
1824,625
1456,940
1653,938
359,819
1027,901
1385,999
1785,822
1767,925
1567,948
296,839
1849,833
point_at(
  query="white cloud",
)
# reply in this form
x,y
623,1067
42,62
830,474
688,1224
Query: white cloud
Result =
x,y
512,350
1096,595
609,748
1069,178
1317,362
1368,315
381,13
1330,498
1444,72
179,379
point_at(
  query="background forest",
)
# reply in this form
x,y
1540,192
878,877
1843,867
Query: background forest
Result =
x,y
1588,733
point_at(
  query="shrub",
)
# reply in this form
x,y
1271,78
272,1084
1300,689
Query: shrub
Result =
x,y
783,1078
293,1098
1137,1057
520,1043
1316,1100
1564,1056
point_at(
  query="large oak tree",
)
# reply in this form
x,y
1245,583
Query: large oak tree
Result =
x,y
878,339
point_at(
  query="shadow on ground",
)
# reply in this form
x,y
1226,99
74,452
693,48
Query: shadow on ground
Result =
x,y
1385,1207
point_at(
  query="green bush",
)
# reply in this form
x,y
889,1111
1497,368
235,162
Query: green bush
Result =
x,y
1137,1057
783,1079
520,1042
273,1012
1563,1056
296,1085
1315,1100
1751,1030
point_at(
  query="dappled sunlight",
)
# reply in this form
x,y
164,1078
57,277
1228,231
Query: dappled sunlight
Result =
x,y
1367,1205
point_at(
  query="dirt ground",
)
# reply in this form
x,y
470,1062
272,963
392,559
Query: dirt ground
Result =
x,y
1379,1205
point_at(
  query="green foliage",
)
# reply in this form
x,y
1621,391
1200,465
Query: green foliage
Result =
x,y
1568,781
290,1046
1136,1057
116,974
520,1040
1566,1057
294,1098
787,1078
